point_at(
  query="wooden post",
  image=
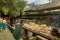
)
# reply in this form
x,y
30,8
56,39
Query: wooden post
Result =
x,y
25,35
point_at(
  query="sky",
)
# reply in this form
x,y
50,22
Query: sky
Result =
x,y
38,1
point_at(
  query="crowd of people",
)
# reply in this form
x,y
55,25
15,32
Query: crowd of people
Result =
x,y
3,24
13,25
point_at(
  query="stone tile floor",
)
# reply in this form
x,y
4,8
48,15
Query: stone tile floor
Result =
x,y
6,35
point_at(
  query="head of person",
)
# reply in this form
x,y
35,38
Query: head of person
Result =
x,y
1,19
4,18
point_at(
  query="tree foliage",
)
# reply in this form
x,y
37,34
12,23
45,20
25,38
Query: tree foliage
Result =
x,y
12,7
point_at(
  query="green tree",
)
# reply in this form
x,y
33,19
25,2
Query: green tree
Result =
x,y
12,7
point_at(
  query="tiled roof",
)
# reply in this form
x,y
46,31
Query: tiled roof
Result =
x,y
55,4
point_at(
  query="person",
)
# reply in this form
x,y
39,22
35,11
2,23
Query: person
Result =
x,y
4,24
1,26
5,33
13,25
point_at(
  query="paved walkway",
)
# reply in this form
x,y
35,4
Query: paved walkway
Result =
x,y
6,35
